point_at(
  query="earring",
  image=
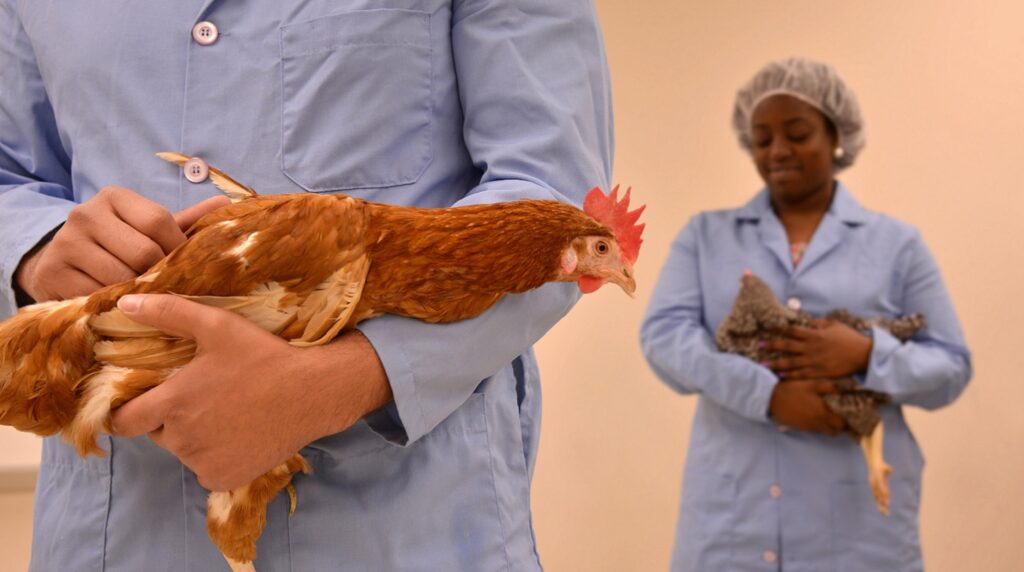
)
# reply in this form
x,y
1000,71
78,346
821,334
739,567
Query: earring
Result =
x,y
838,153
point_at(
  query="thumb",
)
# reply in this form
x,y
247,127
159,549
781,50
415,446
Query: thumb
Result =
x,y
188,217
174,315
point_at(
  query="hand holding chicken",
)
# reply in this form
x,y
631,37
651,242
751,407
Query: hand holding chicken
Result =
x,y
249,400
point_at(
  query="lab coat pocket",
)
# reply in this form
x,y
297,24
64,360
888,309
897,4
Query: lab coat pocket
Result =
x,y
425,507
865,540
707,518
356,99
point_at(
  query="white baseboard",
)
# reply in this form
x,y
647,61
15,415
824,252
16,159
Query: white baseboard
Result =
x,y
18,479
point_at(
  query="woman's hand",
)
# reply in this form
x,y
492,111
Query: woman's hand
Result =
x,y
798,405
830,351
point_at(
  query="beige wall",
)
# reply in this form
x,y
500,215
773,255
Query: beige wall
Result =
x,y
941,84
15,531
18,450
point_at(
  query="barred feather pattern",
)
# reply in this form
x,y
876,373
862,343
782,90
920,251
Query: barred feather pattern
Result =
x,y
756,313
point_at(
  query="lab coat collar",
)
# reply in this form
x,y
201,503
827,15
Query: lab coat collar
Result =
x,y
843,214
844,207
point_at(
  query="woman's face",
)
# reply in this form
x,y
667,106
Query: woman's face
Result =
x,y
793,144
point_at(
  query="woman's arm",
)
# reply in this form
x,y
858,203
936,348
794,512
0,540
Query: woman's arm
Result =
x,y
932,368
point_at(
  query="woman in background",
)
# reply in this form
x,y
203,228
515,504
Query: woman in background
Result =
x,y
755,496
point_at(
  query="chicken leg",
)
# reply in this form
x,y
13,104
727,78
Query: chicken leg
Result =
x,y
236,518
878,469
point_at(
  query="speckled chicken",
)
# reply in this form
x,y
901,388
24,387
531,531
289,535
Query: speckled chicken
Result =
x,y
305,267
757,315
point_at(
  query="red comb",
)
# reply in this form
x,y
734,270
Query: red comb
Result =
x,y
615,214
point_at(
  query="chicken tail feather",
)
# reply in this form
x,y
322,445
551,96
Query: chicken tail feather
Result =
x,y
45,351
234,190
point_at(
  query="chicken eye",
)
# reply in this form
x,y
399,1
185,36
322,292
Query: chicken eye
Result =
x,y
601,247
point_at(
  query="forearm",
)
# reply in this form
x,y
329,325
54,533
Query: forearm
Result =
x,y
26,218
687,361
433,368
679,348
932,368
347,380
925,374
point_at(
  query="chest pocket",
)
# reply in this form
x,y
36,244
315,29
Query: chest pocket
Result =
x,y
356,100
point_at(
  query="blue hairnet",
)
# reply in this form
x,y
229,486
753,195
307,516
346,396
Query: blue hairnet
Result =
x,y
814,83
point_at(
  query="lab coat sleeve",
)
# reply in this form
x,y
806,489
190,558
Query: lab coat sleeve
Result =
x,y
35,180
931,369
681,350
534,87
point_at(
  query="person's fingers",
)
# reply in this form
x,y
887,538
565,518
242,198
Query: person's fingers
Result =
x,y
798,374
68,282
147,217
821,323
797,333
128,244
188,217
788,363
178,316
144,414
783,345
100,265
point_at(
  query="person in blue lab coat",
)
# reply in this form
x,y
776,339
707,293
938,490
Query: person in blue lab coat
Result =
x,y
757,496
422,438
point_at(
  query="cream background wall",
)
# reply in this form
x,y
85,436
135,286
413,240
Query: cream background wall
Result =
x,y
941,84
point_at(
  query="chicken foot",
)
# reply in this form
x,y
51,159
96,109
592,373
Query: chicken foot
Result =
x,y
878,469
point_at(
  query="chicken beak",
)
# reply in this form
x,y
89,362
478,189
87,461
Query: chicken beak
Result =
x,y
625,280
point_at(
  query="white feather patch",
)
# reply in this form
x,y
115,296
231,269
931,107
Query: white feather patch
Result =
x,y
218,506
51,307
244,246
149,277
99,393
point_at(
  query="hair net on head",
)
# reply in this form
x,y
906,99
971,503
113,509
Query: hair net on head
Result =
x,y
815,83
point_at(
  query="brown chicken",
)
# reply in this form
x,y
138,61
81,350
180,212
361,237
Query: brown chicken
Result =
x,y
757,315
64,366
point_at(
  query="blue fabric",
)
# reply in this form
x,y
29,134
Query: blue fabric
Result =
x,y
416,102
825,518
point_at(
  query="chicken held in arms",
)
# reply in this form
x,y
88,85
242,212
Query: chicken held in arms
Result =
x,y
757,315
304,267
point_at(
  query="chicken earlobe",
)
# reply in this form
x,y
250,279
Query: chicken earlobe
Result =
x,y
570,260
